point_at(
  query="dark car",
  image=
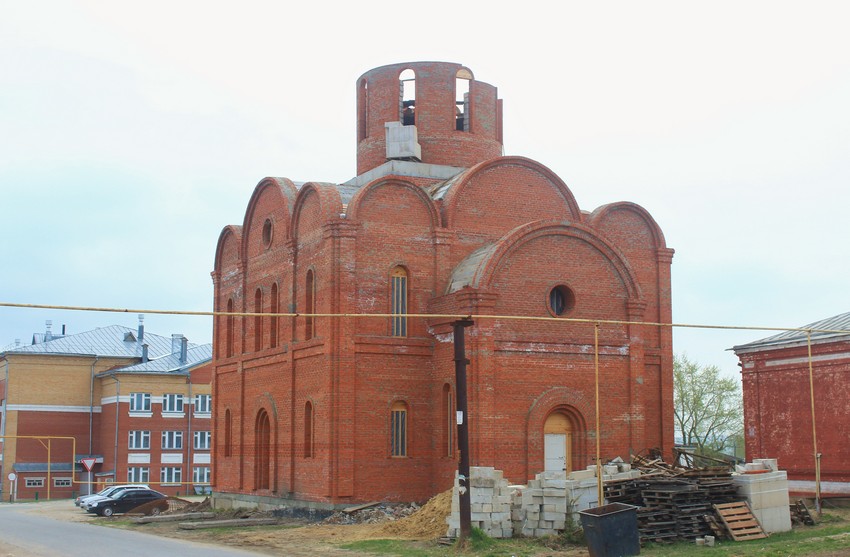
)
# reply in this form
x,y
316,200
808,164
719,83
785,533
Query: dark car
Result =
x,y
150,501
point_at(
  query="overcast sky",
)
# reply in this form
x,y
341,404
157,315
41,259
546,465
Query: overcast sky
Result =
x,y
131,133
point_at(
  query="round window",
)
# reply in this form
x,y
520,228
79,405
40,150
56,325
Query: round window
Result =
x,y
267,233
561,300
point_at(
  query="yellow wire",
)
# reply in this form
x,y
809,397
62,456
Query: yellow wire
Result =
x,y
419,315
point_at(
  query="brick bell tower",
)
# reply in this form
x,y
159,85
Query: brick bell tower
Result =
x,y
429,112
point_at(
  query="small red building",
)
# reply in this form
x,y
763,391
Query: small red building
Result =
x,y
778,403
335,410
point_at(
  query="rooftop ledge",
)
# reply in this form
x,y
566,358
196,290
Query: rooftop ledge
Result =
x,y
406,168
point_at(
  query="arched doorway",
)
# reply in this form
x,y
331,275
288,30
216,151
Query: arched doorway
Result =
x,y
557,443
263,438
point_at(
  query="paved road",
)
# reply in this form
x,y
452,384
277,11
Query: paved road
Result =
x,y
24,534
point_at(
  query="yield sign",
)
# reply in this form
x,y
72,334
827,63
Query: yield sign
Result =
x,y
88,463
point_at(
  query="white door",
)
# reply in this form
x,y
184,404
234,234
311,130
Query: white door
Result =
x,y
555,451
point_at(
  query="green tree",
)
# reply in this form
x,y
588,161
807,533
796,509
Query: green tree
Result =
x,y
708,408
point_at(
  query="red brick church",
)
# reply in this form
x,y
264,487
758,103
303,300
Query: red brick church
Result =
x,y
334,410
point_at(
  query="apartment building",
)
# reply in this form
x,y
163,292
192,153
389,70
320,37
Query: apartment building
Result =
x,y
114,404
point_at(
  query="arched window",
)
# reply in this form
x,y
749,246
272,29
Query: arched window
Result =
x,y
462,80
363,110
228,332
258,320
398,301
228,434
407,97
448,421
274,318
262,446
310,306
398,429
308,429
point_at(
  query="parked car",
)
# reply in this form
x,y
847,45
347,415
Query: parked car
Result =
x,y
112,493
126,500
105,492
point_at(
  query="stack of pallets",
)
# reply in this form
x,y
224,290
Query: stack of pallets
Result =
x,y
686,502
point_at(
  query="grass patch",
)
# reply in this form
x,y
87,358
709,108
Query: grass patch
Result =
x,y
830,538
478,545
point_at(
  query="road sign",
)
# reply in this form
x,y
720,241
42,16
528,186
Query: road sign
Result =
x,y
12,476
88,463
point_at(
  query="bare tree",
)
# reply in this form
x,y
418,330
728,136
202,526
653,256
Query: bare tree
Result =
x,y
708,407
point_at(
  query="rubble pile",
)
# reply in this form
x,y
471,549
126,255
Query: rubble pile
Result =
x,y
381,512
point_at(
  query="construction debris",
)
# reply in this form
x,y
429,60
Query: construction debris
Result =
x,y
800,513
372,513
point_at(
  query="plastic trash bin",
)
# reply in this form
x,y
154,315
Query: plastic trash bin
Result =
x,y
611,530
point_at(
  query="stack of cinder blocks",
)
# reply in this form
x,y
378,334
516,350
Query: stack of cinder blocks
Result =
x,y
541,508
490,504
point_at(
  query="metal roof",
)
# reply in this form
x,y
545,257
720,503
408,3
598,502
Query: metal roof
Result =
x,y
466,272
836,327
42,467
113,341
195,356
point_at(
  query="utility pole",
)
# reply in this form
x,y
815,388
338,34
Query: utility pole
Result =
x,y
464,485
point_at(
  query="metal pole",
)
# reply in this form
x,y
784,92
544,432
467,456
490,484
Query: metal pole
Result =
x,y
600,493
814,430
49,478
464,485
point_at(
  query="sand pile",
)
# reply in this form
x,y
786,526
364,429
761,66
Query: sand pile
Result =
x,y
427,523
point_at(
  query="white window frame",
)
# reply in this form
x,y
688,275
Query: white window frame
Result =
x,y
138,474
34,482
201,474
62,482
203,404
172,403
171,475
139,439
202,440
140,402
172,440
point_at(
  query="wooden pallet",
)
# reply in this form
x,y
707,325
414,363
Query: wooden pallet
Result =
x,y
739,521
801,513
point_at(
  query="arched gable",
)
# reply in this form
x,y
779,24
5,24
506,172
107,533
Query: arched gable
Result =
x,y
315,204
612,215
272,199
394,201
228,251
479,268
490,196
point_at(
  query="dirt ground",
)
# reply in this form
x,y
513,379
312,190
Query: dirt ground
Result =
x,y
294,537
300,538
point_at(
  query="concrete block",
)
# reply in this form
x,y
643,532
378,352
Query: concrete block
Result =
x,y
777,519
483,482
582,474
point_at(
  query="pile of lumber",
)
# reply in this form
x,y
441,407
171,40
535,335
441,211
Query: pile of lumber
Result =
x,y
674,501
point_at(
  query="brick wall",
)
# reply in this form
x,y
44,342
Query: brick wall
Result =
x,y
778,412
